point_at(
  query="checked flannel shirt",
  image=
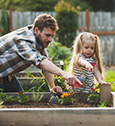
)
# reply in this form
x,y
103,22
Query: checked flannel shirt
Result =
x,y
18,51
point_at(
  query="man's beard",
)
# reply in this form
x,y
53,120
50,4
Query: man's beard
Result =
x,y
39,40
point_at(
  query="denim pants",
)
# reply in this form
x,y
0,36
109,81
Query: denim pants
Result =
x,y
11,86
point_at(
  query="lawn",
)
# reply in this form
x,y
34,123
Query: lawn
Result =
x,y
109,76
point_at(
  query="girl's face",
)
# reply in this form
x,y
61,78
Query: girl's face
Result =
x,y
88,48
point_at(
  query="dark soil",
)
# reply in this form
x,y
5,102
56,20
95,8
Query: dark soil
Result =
x,y
46,105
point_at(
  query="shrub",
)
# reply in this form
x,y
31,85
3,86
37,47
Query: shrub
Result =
x,y
66,16
58,52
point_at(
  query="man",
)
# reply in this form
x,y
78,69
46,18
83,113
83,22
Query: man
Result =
x,y
23,47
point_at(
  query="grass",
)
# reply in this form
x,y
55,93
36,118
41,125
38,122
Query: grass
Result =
x,y
109,76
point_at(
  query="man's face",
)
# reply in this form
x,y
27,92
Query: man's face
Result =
x,y
44,37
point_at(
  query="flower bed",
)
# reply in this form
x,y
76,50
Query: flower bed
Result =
x,y
53,115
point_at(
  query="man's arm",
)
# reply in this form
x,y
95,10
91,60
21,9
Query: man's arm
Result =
x,y
48,66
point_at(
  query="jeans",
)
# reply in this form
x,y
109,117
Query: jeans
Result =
x,y
11,86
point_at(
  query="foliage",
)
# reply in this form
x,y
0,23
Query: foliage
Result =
x,y
37,82
36,96
47,5
66,99
4,97
78,3
102,104
22,98
38,5
28,5
58,52
66,16
94,98
1,104
4,22
54,98
101,5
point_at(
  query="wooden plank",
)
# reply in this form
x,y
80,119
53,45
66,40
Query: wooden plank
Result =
x,y
105,93
87,20
105,33
58,117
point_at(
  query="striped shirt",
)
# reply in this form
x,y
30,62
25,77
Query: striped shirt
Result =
x,y
18,51
86,77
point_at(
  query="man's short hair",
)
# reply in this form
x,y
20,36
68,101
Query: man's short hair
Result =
x,y
45,20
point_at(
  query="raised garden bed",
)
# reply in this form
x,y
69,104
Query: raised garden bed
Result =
x,y
44,103
63,116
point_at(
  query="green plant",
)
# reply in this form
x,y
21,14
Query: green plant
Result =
x,y
36,96
4,97
93,98
22,98
58,52
54,98
66,16
66,99
1,104
102,104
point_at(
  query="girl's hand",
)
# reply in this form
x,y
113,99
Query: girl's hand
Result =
x,y
103,82
89,67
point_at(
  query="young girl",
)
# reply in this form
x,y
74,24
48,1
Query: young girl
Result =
x,y
86,61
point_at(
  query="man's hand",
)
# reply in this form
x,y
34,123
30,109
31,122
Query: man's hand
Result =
x,y
56,89
71,79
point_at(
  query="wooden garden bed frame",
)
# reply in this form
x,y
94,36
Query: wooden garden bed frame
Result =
x,y
94,116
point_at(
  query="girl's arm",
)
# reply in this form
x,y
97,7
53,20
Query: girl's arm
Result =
x,y
85,64
98,76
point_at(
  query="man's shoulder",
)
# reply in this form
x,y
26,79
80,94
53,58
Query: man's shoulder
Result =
x,y
25,33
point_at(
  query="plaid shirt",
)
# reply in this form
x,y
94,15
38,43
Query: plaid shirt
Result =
x,y
18,51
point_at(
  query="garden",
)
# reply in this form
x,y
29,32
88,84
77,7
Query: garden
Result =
x,y
37,106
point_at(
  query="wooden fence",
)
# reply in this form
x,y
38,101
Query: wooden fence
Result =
x,y
101,23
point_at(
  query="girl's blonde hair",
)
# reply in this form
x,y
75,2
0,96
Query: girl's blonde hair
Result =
x,y
77,50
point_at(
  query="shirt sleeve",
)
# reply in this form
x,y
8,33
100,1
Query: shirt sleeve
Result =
x,y
27,51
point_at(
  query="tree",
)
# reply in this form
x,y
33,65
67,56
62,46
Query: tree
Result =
x,y
101,5
38,5
29,5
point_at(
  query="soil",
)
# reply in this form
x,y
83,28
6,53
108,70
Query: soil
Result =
x,y
47,105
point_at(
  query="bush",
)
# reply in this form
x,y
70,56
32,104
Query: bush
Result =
x,y
58,52
66,16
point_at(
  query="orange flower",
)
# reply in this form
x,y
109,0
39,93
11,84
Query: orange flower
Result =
x,y
93,89
20,92
65,95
